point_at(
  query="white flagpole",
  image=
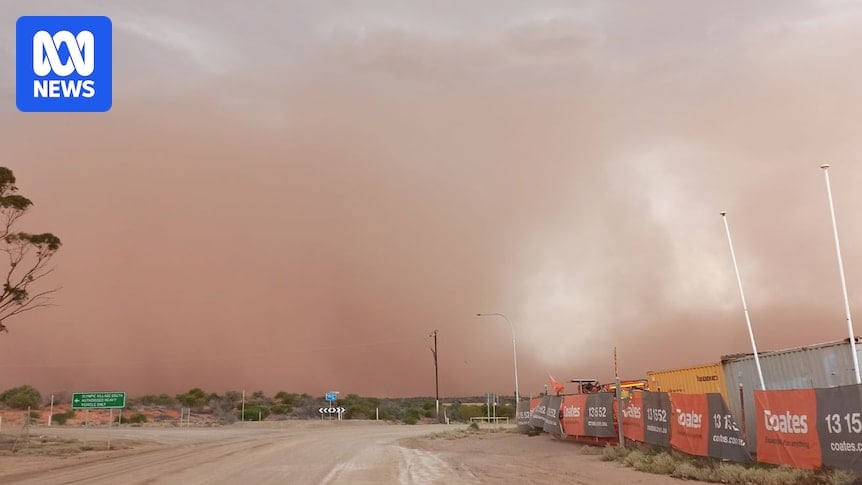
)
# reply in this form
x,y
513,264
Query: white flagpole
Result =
x,y
744,305
825,168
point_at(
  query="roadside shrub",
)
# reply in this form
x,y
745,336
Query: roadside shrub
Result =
x,y
429,409
662,464
360,407
724,471
464,412
253,412
286,398
614,453
411,416
224,407
505,410
155,400
61,418
680,465
259,399
689,471
593,450
21,397
281,409
391,411
307,407
195,398
136,418
842,477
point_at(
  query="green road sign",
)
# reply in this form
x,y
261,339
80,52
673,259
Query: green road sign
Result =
x,y
98,400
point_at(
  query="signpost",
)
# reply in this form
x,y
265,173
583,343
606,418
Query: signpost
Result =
x,y
332,410
98,400
331,397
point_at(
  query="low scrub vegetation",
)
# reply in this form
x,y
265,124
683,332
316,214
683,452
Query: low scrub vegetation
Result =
x,y
136,418
662,461
61,418
233,406
21,397
472,429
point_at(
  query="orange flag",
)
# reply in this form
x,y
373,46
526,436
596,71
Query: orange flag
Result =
x,y
558,388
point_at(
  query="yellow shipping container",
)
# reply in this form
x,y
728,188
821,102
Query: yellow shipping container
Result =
x,y
701,379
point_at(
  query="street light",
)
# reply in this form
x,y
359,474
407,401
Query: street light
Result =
x,y
825,168
514,352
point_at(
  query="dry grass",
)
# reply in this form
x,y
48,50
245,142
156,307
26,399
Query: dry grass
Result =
x,y
450,435
668,462
471,430
593,450
35,445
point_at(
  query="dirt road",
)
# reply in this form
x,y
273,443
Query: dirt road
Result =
x,y
309,452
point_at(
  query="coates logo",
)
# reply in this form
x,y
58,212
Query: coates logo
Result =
x,y
631,411
63,64
785,423
571,412
689,419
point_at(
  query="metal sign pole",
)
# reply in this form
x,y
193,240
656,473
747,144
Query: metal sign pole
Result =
x,y
620,413
110,420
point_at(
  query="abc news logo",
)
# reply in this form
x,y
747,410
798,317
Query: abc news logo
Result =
x,y
81,61
64,64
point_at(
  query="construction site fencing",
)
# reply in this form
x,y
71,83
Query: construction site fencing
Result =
x,y
801,428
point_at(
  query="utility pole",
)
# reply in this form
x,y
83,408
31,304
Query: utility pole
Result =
x,y
51,414
436,381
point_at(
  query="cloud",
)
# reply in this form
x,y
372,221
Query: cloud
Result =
x,y
303,221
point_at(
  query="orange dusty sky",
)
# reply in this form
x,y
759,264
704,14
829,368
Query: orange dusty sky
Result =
x,y
293,195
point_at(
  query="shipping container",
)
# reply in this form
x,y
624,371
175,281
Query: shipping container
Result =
x,y
815,366
700,379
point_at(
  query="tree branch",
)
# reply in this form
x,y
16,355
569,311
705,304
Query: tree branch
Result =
x,y
29,255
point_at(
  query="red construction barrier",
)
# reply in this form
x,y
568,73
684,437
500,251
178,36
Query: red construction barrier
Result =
x,y
787,428
690,423
633,419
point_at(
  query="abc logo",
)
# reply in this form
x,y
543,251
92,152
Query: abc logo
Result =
x,y
81,61
63,64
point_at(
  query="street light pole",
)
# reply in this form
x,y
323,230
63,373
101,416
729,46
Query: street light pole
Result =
x,y
514,351
825,168
436,381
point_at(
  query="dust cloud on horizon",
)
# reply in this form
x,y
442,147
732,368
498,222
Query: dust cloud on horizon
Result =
x,y
301,219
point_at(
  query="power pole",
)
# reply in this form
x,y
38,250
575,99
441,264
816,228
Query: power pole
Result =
x,y
436,381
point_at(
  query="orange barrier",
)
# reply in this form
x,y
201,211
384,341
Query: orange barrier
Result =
x,y
801,428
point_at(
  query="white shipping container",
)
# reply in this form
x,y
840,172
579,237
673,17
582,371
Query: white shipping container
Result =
x,y
815,366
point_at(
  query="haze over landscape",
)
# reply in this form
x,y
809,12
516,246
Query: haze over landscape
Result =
x,y
293,195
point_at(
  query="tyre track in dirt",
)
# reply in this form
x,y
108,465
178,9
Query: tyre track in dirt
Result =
x,y
333,454
124,469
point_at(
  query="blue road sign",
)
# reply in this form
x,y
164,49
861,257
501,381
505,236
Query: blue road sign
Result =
x,y
331,396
